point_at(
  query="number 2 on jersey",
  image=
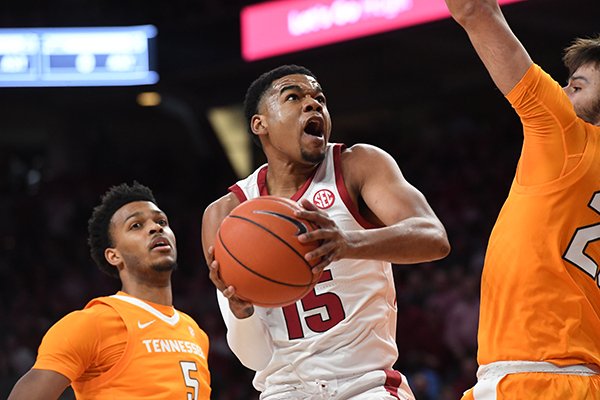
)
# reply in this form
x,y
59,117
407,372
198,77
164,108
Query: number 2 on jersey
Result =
x,y
316,323
583,236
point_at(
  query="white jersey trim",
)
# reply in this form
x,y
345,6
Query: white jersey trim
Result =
x,y
172,320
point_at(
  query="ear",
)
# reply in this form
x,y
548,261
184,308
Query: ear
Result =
x,y
113,256
258,124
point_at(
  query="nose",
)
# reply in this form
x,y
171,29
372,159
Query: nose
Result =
x,y
156,228
568,91
311,104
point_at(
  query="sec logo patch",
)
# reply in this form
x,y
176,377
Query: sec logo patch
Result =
x,y
324,198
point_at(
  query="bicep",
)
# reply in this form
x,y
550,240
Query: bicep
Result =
x,y
387,194
39,384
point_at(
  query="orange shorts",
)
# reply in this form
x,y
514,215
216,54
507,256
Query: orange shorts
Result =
x,y
542,386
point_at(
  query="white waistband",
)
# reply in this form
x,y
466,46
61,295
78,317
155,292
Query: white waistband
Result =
x,y
501,368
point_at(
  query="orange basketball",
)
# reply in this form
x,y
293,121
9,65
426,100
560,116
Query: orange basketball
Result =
x,y
259,253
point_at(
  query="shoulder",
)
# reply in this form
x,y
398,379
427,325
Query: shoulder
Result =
x,y
79,331
364,152
361,160
86,320
221,207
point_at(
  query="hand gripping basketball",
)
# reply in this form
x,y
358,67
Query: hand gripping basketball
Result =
x,y
259,253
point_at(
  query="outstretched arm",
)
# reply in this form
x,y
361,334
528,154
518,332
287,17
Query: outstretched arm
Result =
x,y
498,48
39,384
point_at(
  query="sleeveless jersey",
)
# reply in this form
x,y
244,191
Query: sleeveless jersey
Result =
x,y
540,295
347,325
164,357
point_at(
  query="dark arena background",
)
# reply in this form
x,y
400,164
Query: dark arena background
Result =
x,y
420,93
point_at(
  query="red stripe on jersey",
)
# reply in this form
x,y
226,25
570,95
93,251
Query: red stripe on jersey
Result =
x,y
239,193
393,380
341,187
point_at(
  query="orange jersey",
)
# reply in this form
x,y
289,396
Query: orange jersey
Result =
x,y
120,347
540,294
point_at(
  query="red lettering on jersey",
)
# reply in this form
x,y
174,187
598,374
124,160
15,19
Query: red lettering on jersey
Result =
x,y
323,199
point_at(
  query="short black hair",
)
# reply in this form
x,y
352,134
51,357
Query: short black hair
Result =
x,y
99,238
260,85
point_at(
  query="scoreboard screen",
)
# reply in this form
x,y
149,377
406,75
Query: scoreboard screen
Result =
x,y
99,56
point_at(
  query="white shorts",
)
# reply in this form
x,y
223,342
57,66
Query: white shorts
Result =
x,y
375,385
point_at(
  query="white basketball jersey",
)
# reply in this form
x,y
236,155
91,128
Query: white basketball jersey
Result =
x,y
347,325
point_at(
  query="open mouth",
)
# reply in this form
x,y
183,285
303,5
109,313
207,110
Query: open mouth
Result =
x,y
159,243
314,127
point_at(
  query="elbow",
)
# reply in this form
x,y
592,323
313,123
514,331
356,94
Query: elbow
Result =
x,y
251,357
470,11
440,245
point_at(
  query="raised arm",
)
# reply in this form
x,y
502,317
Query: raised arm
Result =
x,y
39,384
247,336
498,48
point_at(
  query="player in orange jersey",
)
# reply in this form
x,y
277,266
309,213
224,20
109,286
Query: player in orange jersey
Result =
x,y
539,328
134,344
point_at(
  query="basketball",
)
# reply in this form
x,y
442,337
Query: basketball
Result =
x,y
259,253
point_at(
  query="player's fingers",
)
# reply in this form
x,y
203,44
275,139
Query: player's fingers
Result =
x,y
308,205
215,276
327,252
318,234
324,262
228,291
316,216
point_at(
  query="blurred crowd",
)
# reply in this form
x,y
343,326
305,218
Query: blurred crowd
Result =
x,y
464,166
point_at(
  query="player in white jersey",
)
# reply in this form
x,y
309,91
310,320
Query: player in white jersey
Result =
x,y
338,342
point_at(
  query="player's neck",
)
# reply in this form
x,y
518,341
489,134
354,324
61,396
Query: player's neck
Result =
x,y
285,178
154,294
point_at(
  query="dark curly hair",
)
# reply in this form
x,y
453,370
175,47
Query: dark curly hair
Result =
x,y
260,85
99,238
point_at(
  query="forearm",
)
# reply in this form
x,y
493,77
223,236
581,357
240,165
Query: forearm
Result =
x,y
500,51
413,240
248,338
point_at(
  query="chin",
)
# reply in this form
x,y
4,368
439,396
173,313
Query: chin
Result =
x,y
314,157
165,266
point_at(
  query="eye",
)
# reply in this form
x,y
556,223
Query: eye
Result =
x,y
135,225
162,222
321,99
291,96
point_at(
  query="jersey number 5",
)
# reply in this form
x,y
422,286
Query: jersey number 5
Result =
x,y
192,383
316,323
583,236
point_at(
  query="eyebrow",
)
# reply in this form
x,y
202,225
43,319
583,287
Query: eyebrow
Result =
x,y
138,213
297,87
578,78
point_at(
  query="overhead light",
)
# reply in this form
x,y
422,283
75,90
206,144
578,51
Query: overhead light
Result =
x,y
229,125
148,99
